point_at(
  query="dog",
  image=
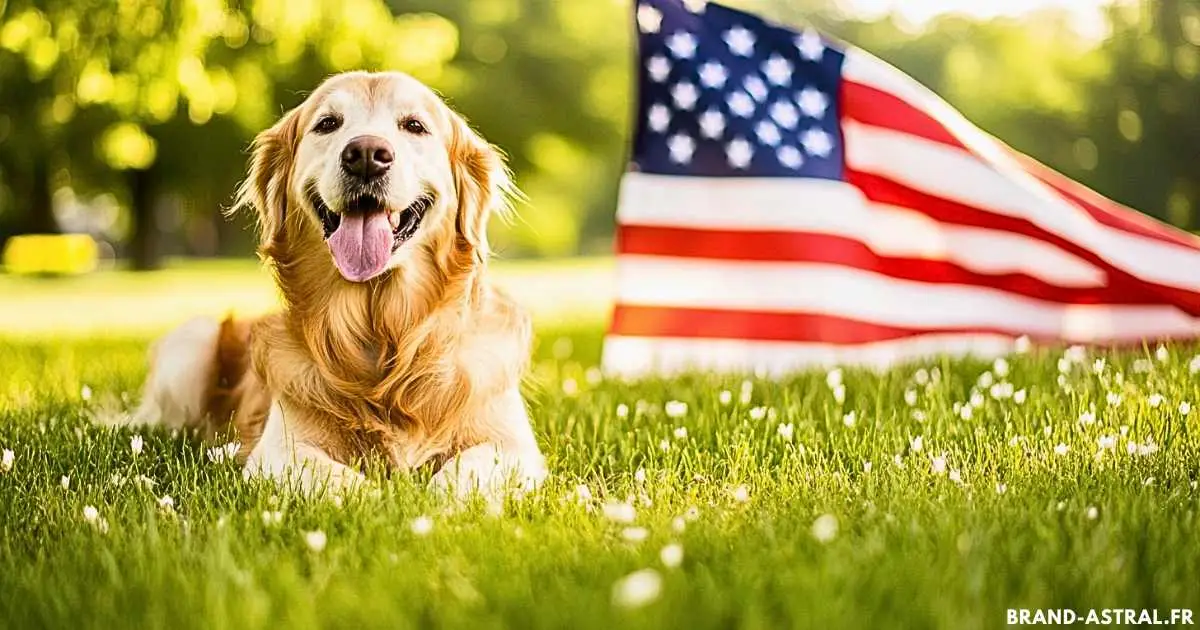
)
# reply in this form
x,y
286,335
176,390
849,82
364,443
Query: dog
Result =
x,y
373,199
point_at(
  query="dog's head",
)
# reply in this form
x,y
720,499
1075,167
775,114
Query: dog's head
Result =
x,y
377,167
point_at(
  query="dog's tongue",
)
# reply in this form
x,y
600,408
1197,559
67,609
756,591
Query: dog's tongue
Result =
x,y
362,245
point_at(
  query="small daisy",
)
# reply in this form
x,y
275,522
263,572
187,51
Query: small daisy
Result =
x,y
675,409
85,393
787,431
758,413
691,514
825,528
218,454
898,461
619,512
671,555
166,503
725,397
315,540
1113,398
867,467
1155,400
640,475
834,378
6,460
741,494
622,410
637,589
65,482
635,534
1000,367
1022,344
678,524
917,443
1106,442
270,518
1185,408
921,377
1194,365
1061,449
1162,354
421,526
1093,513
1087,418
135,445
1019,396
90,513
1001,488
937,464
966,411
1099,365
849,419
910,397
583,493
681,433
977,399
1142,366
839,394
570,387
1131,448
956,476
1001,391
747,393
985,380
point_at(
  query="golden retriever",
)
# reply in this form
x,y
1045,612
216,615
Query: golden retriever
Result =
x,y
373,200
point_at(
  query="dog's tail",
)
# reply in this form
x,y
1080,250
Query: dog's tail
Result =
x,y
193,373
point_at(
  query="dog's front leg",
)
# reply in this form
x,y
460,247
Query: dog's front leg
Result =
x,y
510,463
284,455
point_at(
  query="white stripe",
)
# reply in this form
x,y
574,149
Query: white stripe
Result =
x,y
999,183
839,209
865,296
641,356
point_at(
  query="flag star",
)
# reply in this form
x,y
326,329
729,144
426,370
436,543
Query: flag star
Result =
x,y
817,142
649,19
785,114
757,88
739,153
767,133
812,102
659,68
713,75
682,45
790,157
740,41
712,124
810,45
681,147
778,70
685,95
695,6
659,118
740,104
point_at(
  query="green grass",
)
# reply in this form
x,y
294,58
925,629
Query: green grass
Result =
x,y
913,548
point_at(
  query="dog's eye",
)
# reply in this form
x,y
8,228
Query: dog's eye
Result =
x,y
413,126
327,124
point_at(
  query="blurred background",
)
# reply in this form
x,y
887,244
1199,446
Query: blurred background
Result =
x,y
128,120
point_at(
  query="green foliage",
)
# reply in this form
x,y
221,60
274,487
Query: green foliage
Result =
x,y
1008,523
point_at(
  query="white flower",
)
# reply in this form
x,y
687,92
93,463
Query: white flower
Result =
x,y
65,482
839,394
1098,365
270,518
1087,418
678,524
1062,505
849,419
867,466
1047,430
6,460
1185,408
166,503
1001,488
741,494
1022,344
1155,400
918,415
834,378
955,476
747,393
692,513
671,555
910,397
725,397
582,494
985,380
635,534
622,410
619,512
1113,398
758,413
637,589
135,444
675,409
921,376
1076,354
1019,396
421,526
977,399
218,454
640,475
1000,367
681,433
90,513
966,411
1106,442
1161,354
1131,448
315,540
898,461
570,387
917,443
85,393
1194,365
786,431
664,445
825,528
937,464
1093,513
1142,366
1061,449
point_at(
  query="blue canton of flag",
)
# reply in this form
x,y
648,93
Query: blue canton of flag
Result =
x,y
724,94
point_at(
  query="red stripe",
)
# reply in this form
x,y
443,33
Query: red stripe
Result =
x,y
872,106
650,321
806,247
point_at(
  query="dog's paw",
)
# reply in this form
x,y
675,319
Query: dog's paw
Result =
x,y
488,471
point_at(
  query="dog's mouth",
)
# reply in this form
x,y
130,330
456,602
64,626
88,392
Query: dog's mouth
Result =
x,y
366,233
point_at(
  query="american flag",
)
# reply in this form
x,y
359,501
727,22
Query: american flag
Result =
x,y
793,202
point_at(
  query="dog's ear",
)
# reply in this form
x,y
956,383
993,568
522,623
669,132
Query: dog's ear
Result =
x,y
265,187
484,186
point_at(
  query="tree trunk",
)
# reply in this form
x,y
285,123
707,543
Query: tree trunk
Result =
x,y
145,243
40,218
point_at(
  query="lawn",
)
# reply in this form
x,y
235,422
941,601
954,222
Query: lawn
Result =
x,y
932,495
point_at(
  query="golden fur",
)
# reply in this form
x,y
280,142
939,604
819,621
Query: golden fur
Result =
x,y
406,368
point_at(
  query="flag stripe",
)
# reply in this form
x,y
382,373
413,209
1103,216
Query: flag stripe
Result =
x,y
871,106
856,294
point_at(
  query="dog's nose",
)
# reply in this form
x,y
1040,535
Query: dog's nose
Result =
x,y
367,157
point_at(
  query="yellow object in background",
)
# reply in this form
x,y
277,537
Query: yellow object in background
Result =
x,y
51,254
